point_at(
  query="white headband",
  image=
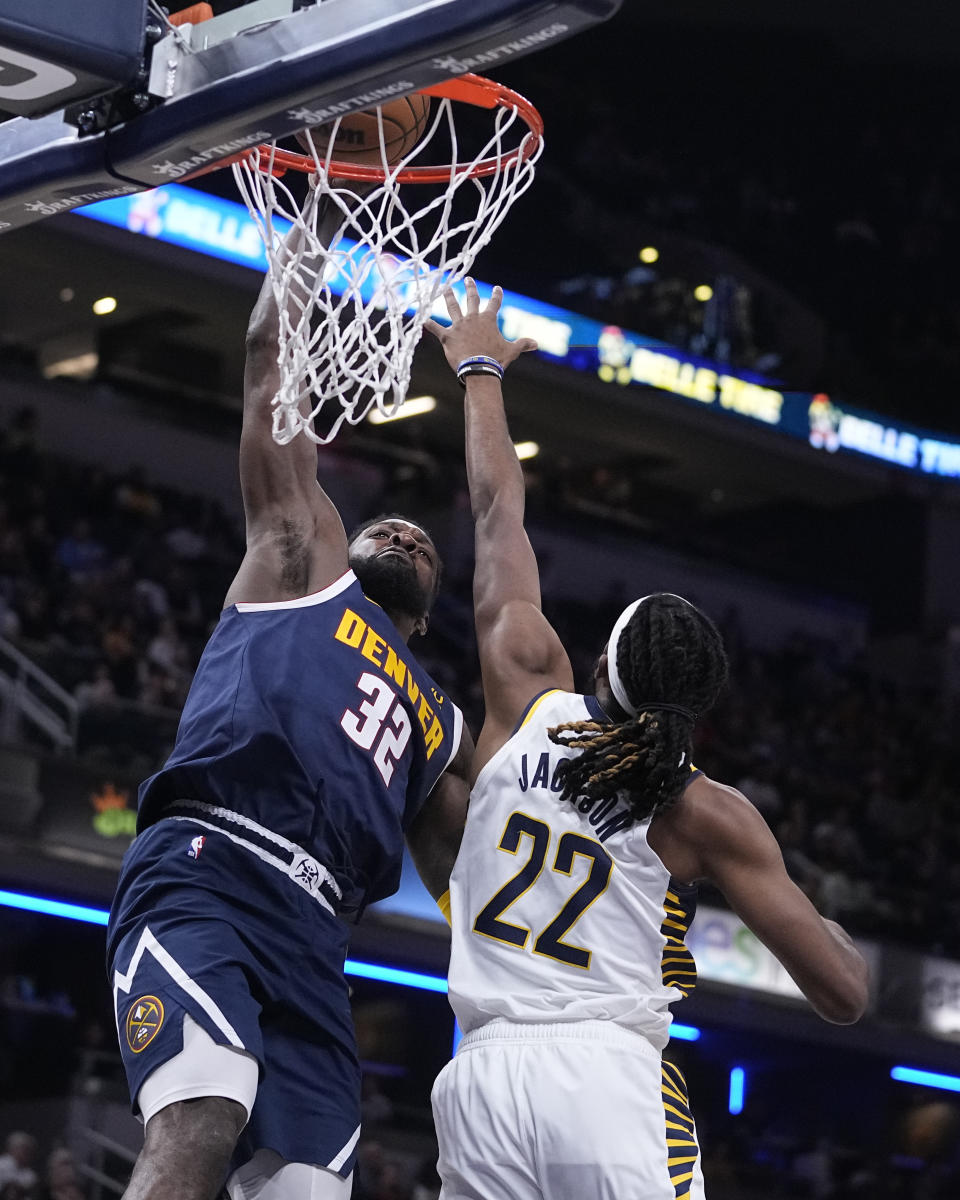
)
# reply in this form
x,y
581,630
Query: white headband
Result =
x,y
616,684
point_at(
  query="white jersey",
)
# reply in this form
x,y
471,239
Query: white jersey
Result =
x,y
561,911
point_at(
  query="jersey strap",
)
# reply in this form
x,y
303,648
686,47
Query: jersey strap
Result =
x,y
532,707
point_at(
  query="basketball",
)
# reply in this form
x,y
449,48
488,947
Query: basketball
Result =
x,y
358,135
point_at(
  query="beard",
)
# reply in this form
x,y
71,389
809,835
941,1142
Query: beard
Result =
x,y
392,582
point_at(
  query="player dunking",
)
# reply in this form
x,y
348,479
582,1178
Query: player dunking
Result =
x,y
311,742
572,890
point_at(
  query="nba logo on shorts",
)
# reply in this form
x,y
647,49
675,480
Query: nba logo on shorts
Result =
x,y
196,845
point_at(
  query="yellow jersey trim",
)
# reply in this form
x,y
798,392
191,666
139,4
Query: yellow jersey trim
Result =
x,y
535,705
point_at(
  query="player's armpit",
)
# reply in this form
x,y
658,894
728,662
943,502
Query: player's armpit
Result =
x,y
741,857
434,836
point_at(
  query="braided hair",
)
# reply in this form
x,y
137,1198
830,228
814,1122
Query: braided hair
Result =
x,y
672,665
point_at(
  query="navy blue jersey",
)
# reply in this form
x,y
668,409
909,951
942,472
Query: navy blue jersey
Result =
x,y
311,719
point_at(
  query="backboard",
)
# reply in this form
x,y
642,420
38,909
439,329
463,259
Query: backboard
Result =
x,y
259,73
51,54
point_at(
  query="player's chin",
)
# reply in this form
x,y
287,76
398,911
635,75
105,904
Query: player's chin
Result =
x,y
391,581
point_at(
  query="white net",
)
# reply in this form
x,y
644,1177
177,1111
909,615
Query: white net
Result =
x,y
366,263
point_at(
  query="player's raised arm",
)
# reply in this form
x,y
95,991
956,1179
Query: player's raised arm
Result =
x,y
295,538
520,654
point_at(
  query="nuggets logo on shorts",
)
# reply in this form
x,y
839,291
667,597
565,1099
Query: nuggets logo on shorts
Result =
x,y
144,1019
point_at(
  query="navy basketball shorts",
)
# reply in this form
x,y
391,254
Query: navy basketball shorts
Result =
x,y
203,929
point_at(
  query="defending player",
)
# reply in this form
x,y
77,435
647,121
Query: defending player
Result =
x,y
572,890
310,743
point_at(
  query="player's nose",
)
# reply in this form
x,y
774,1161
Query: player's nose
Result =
x,y
404,538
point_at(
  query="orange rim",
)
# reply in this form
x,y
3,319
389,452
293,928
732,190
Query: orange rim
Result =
x,y
468,89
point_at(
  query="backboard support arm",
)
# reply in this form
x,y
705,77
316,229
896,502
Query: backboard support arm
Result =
x,y
262,83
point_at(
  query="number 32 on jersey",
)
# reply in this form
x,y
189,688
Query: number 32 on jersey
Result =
x,y
381,720
570,846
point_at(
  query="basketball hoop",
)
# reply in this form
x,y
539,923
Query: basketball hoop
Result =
x,y
352,311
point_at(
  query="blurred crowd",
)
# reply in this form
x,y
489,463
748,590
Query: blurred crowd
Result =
x,y
112,584
23,1176
106,581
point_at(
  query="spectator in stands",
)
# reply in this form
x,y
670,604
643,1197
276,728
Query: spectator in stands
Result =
x,y
16,1164
135,498
118,648
79,553
98,690
62,1177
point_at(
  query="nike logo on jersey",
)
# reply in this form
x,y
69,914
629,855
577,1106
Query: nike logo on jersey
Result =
x,y
607,816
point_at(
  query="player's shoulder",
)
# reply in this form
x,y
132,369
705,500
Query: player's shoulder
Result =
x,y
712,818
708,820
702,789
708,802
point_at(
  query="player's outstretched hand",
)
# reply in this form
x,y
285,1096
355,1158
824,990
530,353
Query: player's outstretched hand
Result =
x,y
474,330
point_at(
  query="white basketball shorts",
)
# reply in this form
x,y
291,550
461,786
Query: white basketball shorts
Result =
x,y
563,1112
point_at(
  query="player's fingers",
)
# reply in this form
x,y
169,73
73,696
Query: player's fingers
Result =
x,y
453,304
496,299
473,296
435,328
521,346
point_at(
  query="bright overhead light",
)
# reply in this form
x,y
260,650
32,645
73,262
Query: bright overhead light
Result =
x,y
703,292
649,254
106,304
76,366
416,406
526,450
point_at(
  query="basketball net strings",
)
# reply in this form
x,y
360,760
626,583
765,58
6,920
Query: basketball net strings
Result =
x,y
352,316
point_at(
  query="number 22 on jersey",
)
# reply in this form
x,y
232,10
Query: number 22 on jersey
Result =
x,y
570,847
